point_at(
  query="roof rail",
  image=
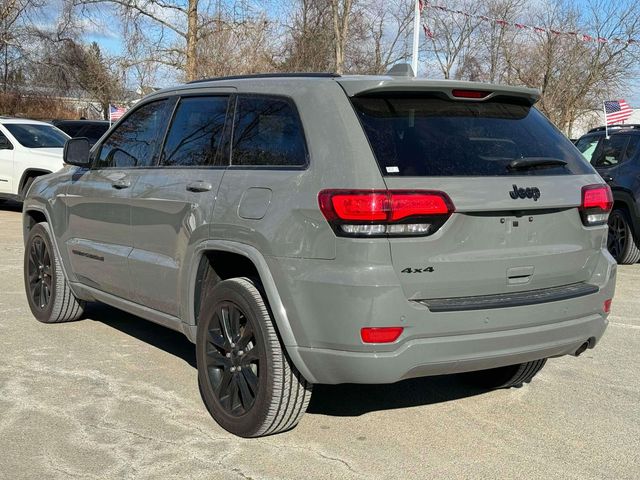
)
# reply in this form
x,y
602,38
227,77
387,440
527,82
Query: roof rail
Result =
x,y
268,75
622,126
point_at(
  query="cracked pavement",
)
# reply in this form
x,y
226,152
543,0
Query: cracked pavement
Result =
x,y
114,396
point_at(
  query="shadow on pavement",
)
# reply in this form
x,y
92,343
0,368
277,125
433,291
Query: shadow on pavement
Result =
x,y
350,400
335,400
10,206
156,335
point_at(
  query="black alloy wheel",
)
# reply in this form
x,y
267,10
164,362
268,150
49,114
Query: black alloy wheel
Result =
x,y
621,242
48,293
39,273
246,379
233,359
617,238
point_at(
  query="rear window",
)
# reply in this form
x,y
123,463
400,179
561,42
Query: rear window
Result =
x,y
428,136
93,132
70,129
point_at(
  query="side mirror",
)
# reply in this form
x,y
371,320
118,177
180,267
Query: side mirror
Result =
x,y
76,152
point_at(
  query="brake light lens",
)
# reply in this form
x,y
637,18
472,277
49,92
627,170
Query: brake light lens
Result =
x,y
606,308
360,206
469,93
380,334
375,213
597,202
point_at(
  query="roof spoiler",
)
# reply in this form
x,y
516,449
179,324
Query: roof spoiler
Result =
x,y
454,89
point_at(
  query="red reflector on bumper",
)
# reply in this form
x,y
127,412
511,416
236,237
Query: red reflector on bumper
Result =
x,y
380,334
607,306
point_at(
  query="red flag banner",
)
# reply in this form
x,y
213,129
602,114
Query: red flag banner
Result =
x,y
521,26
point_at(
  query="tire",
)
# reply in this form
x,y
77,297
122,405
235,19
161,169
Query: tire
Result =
x,y
621,242
48,293
504,377
266,394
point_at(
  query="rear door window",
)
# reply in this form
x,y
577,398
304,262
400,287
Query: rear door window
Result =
x,y
196,131
610,152
267,132
433,136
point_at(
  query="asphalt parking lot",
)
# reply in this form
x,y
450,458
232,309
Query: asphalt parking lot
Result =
x,y
114,396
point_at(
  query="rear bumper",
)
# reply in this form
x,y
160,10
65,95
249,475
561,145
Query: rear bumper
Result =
x,y
327,308
454,354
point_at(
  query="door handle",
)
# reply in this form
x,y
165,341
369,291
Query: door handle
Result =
x,y
199,186
122,183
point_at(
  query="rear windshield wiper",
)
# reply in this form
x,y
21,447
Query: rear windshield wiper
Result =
x,y
534,162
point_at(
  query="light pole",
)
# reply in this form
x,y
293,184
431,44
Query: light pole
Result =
x,y
416,38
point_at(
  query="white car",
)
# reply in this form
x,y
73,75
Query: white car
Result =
x,y
28,149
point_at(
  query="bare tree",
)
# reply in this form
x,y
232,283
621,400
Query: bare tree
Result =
x,y
341,12
576,76
248,48
308,44
14,20
452,40
388,27
163,20
79,69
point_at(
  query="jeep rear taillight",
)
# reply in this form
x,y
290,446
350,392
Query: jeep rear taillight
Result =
x,y
597,202
376,213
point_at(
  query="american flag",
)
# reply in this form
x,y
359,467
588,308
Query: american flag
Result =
x,y
616,111
115,112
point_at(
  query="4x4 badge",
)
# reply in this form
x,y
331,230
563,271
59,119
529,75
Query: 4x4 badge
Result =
x,y
529,192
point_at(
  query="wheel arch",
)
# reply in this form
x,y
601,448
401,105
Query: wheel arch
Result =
x,y
249,262
28,173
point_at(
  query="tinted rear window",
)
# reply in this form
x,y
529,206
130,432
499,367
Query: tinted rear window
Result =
x,y
70,129
427,136
93,132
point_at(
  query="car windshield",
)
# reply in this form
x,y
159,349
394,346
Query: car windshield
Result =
x,y
431,136
33,135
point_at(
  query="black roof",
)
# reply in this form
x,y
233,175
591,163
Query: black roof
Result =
x,y
269,75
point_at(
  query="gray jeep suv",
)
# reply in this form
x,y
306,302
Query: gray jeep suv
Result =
x,y
304,229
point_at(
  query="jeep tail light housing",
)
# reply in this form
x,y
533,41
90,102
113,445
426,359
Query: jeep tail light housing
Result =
x,y
382,213
597,202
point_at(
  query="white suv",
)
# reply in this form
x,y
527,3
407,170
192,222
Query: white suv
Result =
x,y
28,149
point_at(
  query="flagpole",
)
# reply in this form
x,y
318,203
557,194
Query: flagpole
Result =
x,y
606,123
416,37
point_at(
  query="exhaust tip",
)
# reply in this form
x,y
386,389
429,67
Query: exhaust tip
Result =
x,y
588,344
